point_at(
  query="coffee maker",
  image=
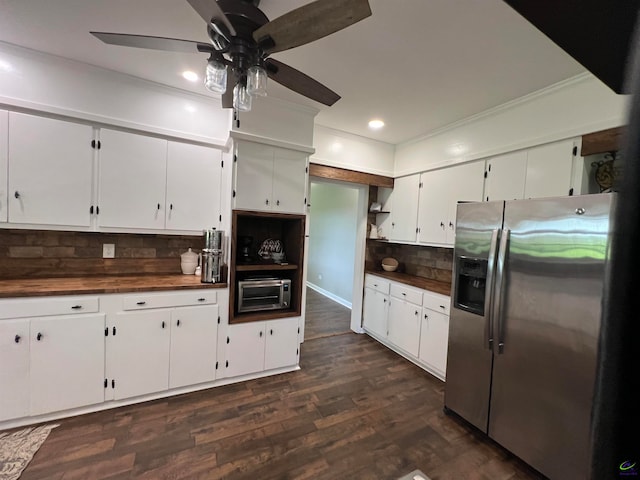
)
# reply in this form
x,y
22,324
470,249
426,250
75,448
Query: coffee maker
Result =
x,y
212,256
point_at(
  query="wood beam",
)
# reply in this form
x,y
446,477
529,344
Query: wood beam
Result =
x,y
342,174
601,142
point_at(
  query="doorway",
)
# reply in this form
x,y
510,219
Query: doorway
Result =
x,y
337,229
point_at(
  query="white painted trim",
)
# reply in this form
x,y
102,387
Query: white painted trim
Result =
x,y
329,295
109,404
505,106
234,134
290,105
352,136
329,163
359,259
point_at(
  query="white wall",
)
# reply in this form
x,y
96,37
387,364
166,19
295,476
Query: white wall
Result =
x,y
336,148
332,238
37,81
568,109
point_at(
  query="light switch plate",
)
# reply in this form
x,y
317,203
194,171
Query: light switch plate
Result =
x,y
108,250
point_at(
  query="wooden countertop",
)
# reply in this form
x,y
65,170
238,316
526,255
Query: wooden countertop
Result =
x,y
33,287
444,288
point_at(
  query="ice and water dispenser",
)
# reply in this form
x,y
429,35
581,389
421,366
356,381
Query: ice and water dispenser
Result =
x,y
471,280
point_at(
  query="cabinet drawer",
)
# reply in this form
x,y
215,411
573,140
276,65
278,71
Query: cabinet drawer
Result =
x,y
163,300
377,283
410,294
48,306
436,302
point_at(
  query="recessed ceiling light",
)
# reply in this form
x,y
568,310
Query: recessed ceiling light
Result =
x,y
191,76
376,124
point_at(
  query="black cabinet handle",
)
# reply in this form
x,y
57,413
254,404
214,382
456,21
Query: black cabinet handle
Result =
x,y
404,294
201,299
76,307
261,333
384,300
441,306
451,224
271,332
39,336
266,201
426,317
163,324
17,339
141,303
278,202
114,330
178,323
17,194
158,206
171,206
442,224
91,210
416,314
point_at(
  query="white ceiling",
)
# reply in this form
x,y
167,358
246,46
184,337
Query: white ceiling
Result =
x,y
417,64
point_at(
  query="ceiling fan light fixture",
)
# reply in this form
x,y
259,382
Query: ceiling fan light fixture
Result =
x,y
215,78
241,98
257,81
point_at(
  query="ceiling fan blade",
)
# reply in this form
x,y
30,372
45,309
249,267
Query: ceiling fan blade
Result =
x,y
153,43
299,82
310,22
209,10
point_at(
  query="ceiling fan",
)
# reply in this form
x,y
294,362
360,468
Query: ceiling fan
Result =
x,y
242,40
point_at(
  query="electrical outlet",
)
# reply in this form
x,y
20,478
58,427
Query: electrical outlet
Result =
x,y
108,250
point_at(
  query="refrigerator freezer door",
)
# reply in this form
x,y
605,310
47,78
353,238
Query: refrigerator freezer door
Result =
x,y
469,358
543,378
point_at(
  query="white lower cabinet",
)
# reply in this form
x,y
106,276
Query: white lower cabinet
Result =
x,y
14,368
138,353
192,357
67,362
257,346
412,322
375,312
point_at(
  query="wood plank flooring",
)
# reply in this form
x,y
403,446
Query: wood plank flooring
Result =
x,y
355,410
324,317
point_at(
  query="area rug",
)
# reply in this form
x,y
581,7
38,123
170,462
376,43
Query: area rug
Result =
x,y
415,475
18,448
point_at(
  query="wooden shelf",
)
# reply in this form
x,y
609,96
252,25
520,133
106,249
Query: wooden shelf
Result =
x,y
265,266
258,316
382,211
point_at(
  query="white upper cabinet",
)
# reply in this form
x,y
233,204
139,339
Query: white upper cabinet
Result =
x,y
440,192
132,180
549,170
270,178
50,171
193,187
404,213
4,140
506,176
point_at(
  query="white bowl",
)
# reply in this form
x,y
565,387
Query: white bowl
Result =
x,y
389,264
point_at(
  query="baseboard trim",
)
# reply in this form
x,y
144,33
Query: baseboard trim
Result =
x,y
329,295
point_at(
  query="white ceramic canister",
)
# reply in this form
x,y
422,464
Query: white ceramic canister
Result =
x,y
189,262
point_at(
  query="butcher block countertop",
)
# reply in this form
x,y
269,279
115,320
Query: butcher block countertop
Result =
x,y
34,287
444,288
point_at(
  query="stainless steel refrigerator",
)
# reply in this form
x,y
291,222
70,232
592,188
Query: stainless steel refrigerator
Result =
x,y
525,318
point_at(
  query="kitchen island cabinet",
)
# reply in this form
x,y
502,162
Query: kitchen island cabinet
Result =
x,y
50,165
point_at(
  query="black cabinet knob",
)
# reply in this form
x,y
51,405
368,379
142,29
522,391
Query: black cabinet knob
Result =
x,y
266,202
178,323
163,324
39,336
278,202
17,338
158,206
17,194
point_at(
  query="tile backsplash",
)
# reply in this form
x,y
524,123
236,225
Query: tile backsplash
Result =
x,y
434,263
45,253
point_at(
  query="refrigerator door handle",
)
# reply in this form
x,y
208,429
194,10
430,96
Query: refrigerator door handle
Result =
x,y
489,286
497,305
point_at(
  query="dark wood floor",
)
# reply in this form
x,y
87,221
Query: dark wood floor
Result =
x,y
355,410
324,317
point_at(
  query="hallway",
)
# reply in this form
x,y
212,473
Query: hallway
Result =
x,y
324,317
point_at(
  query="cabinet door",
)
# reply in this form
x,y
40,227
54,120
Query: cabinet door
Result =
x,y
254,176
549,170
434,338
194,336
193,187
506,176
4,140
138,353
432,210
67,362
466,184
404,215
289,181
282,345
374,312
132,180
245,349
50,165
404,325
14,368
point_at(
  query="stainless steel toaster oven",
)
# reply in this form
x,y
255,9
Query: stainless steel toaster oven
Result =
x,y
263,293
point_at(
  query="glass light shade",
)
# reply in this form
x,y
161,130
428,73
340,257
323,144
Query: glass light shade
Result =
x,y
257,81
215,78
241,98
